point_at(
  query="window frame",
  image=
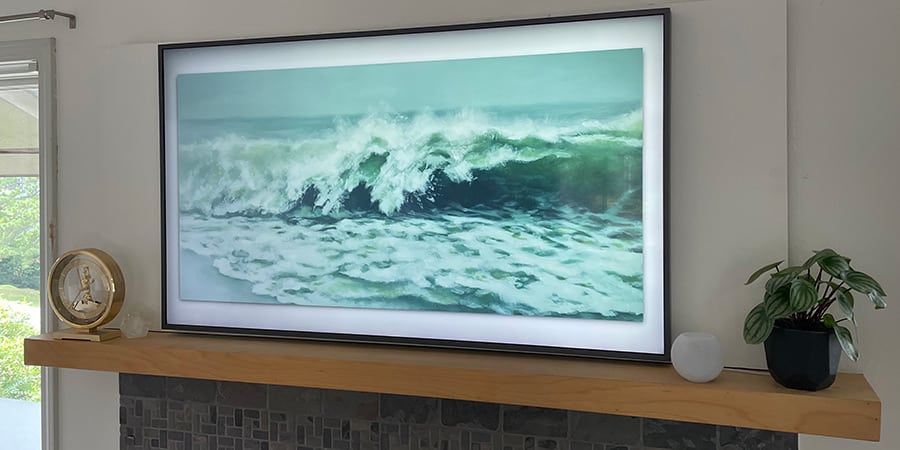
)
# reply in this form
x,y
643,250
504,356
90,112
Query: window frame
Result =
x,y
44,52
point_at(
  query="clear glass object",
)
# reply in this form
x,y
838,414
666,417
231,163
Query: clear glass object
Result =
x,y
134,326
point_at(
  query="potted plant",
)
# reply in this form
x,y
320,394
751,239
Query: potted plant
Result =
x,y
803,340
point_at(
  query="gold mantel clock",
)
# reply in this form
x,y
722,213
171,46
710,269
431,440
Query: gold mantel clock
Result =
x,y
86,290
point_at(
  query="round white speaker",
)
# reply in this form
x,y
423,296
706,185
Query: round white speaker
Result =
x,y
697,357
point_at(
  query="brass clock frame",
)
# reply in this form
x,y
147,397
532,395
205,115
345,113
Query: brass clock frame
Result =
x,y
112,276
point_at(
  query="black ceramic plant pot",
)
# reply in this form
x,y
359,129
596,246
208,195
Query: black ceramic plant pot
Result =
x,y
801,359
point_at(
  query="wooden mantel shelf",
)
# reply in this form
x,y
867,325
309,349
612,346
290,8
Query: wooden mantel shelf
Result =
x,y
849,409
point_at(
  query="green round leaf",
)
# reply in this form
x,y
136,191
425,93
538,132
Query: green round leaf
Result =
x,y
835,265
783,278
861,282
758,325
763,270
845,301
846,340
803,295
877,300
817,256
778,304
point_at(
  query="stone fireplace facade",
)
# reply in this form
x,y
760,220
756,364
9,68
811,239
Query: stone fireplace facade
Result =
x,y
189,414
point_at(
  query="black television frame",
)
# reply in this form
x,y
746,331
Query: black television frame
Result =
x,y
664,356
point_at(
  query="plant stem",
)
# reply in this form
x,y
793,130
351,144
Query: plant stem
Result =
x,y
826,301
823,307
818,279
828,285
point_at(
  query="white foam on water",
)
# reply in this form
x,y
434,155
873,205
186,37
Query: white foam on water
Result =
x,y
506,262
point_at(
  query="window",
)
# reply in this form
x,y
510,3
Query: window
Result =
x,y
27,161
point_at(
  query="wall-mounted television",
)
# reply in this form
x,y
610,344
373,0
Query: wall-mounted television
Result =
x,y
495,186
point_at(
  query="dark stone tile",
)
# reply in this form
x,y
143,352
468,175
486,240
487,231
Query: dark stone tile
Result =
x,y
679,435
481,437
178,414
191,390
785,441
261,435
304,401
460,413
300,434
244,395
142,385
544,444
407,409
421,437
345,429
151,410
514,440
465,440
535,421
746,438
605,428
200,442
350,405
529,443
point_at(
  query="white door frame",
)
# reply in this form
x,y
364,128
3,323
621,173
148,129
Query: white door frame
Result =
x,y
44,52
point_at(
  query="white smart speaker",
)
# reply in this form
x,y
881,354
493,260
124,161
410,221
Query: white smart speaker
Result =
x,y
697,356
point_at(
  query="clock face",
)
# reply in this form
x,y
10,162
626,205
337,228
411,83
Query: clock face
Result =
x,y
86,288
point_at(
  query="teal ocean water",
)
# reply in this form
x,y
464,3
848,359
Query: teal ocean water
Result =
x,y
528,211
507,185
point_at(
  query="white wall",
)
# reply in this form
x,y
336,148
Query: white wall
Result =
x,y
730,104
844,151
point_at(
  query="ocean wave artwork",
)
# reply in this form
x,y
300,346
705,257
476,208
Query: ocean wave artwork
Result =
x,y
505,185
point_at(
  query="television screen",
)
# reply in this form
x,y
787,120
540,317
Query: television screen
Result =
x,y
497,186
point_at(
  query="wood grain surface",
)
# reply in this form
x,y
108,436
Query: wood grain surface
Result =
x,y
849,409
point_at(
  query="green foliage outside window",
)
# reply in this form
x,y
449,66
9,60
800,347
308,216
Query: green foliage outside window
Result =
x,y
17,381
20,232
20,273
